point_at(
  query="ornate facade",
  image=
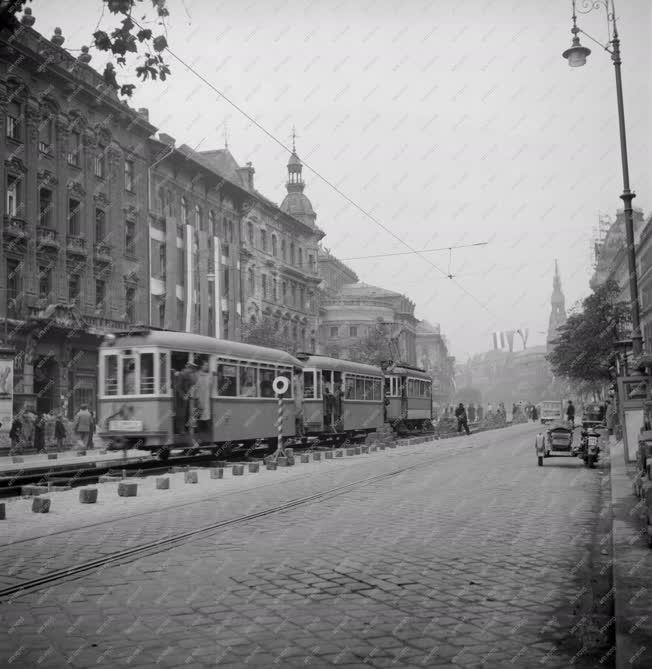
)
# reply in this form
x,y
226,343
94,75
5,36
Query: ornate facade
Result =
x,y
74,217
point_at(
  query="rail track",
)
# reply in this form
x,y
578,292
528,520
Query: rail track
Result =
x,y
166,543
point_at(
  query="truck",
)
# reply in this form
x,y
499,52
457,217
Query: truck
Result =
x,y
551,411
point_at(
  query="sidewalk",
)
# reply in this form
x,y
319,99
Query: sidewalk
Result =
x,y
632,568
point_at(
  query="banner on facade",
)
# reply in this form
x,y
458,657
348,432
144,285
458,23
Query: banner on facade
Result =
x,y
6,390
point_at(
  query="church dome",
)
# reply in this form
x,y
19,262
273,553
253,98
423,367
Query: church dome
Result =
x,y
296,203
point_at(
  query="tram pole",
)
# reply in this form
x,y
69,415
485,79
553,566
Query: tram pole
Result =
x,y
280,387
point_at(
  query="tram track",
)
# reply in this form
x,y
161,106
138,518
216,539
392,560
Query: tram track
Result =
x,y
167,543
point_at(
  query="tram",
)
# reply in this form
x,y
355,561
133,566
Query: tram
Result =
x,y
138,408
409,394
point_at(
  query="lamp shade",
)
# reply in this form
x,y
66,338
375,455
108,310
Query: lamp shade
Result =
x,y
577,54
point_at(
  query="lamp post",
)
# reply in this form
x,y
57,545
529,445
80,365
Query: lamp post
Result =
x,y
576,56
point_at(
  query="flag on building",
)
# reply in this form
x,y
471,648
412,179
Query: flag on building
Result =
x,y
499,341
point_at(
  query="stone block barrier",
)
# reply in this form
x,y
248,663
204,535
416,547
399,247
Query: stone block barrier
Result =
x,y
127,489
328,455
254,467
316,455
237,470
350,451
339,453
217,473
282,461
271,466
364,449
290,459
88,496
305,457
289,452
41,505
190,477
163,483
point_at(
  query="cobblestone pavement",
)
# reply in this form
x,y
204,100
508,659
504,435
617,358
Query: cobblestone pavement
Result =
x,y
477,558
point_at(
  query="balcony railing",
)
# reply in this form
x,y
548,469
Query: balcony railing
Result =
x,y
15,227
47,238
103,252
76,245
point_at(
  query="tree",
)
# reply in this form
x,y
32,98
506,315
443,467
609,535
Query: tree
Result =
x,y
371,349
585,348
130,37
266,333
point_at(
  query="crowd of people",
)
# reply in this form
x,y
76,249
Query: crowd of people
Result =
x,y
51,431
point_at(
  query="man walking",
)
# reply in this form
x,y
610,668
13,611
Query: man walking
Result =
x,y
570,413
462,420
82,425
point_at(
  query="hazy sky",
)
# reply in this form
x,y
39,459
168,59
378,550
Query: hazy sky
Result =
x,y
451,122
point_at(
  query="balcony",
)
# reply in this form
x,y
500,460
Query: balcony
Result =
x,y
46,238
16,228
103,252
76,246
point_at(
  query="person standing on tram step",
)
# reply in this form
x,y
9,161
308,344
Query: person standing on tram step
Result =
x,y
298,401
183,391
202,398
338,399
328,401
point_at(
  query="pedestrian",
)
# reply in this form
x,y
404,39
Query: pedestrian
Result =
x,y
298,401
183,391
535,413
570,413
16,434
82,426
48,429
328,401
29,421
60,432
92,430
462,420
39,433
202,398
337,406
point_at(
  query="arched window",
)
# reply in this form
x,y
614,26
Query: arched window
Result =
x,y
199,217
274,248
292,253
283,251
300,257
252,281
185,212
263,240
250,233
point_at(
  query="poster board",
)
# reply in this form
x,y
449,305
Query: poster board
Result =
x,y
6,390
633,427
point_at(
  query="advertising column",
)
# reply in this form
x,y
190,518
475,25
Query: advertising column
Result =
x,y
6,393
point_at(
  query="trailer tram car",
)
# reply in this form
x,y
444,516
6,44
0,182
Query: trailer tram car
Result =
x,y
362,398
136,402
409,391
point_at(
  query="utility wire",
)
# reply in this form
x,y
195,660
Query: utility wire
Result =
x,y
407,253
320,176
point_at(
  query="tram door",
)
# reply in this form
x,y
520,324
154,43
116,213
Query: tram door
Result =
x,y
178,361
404,397
338,394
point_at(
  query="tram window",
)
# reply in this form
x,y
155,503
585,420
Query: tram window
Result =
x,y
163,372
428,388
349,388
376,389
111,375
309,385
368,390
129,376
388,386
226,380
248,381
266,382
318,385
327,376
146,373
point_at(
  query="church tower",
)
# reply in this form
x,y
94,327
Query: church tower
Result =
x,y
296,203
558,308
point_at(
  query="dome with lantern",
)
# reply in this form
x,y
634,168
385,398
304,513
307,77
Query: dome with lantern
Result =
x,y
295,203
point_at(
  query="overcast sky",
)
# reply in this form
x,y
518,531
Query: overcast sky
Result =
x,y
451,122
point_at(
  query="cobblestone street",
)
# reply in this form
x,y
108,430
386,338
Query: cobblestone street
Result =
x,y
475,558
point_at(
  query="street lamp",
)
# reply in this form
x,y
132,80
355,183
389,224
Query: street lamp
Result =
x,y
576,56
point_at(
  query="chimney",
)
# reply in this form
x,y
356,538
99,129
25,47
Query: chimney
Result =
x,y
247,174
144,112
165,139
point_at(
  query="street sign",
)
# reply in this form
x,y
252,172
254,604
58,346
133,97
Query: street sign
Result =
x,y
280,385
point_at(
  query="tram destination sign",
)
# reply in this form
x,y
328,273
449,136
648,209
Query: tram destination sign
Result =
x,y
126,425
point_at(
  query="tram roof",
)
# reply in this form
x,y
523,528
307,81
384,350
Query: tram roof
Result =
x,y
194,343
337,365
414,372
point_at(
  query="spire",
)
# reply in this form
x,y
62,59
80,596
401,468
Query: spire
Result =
x,y
226,136
294,137
558,308
295,180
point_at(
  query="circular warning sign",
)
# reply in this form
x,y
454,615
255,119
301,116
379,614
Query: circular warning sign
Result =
x,y
280,385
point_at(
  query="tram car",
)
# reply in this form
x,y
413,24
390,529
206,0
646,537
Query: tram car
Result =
x,y
340,396
138,406
408,393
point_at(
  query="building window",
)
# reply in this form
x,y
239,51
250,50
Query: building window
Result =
x,y
161,312
45,207
199,218
170,207
225,282
334,331
100,294
74,218
98,164
284,291
13,121
353,331
163,259
283,250
129,175
263,240
130,304
302,297
293,291
45,135
311,262
74,288
212,223
44,281
300,257
100,225
252,283
230,229
292,253
185,212
181,267
74,148
14,286
275,290
14,205
263,285
130,238
274,246
250,233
